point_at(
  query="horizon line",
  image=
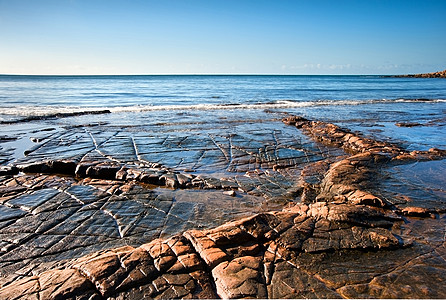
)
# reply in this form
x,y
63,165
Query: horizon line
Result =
x,y
200,74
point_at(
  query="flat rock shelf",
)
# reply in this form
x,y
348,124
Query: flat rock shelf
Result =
x,y
294,208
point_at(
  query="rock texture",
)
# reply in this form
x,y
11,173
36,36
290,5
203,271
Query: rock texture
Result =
x,y
239,257
340,241
202,158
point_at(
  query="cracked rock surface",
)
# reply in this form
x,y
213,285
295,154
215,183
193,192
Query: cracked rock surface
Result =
x,y
270,213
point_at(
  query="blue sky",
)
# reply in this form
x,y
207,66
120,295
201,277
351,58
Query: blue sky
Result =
x,y
222,37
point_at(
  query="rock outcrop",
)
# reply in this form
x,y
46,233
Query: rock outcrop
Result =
x,y
240,258
440,74
339,241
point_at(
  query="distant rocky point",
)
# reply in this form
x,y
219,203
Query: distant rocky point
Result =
x,y
440,74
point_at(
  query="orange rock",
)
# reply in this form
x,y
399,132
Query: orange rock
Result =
x,y
190,262
415,211
359,197
27,288
179,245
64,284
240,277
157,248
206,248
213,256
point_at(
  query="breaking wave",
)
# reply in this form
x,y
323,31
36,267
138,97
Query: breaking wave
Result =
x,y
18,114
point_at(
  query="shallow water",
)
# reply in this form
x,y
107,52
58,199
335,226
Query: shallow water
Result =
x,y
420,184
222,126
370,104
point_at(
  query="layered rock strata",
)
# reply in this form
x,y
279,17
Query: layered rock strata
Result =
x,y
341,241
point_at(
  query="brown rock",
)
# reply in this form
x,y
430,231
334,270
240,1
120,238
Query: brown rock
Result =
x,y
213,256
26,288
67,167
170,180
415,211
152,178
239,278
82,167
206,248
116,269
163,257
230,193
229,234
189,262
204,288
184,180
327,238
180,245
158,248
363,198
440,74
103,171
293,282
63,284
407,124
294,120
314,250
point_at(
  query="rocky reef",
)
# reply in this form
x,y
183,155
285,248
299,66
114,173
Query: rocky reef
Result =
x,y
327,235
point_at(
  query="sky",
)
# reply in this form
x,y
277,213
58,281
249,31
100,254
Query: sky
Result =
x,y
222,37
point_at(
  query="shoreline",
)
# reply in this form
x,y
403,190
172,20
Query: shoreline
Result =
x,y
337,215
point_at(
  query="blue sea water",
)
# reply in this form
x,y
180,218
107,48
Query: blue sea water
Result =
x,y
187,90
370,104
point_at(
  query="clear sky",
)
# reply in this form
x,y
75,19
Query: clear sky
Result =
x,y
222,37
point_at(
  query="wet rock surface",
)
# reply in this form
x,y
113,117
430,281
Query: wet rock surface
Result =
x,y
272,214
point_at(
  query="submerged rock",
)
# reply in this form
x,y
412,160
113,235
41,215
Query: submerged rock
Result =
x,y
407,124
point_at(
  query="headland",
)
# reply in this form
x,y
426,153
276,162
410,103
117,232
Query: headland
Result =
x,y
440,74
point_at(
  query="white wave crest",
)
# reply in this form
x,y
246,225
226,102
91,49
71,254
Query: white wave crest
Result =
x,y
33,111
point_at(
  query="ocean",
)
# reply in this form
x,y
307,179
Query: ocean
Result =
x,y
139,93
90,163
370,104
